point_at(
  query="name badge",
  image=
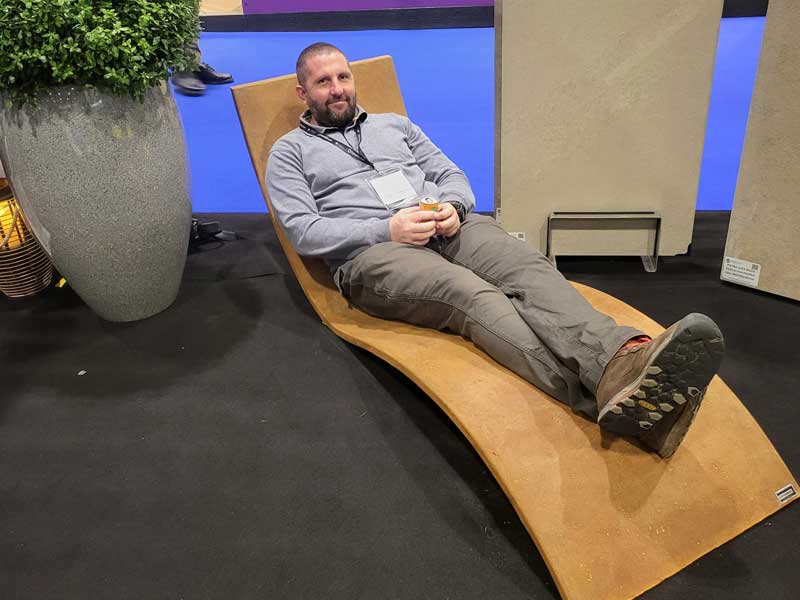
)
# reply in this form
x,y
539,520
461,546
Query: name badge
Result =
x,y
393,188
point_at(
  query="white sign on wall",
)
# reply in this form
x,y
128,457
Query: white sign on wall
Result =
x,y
740,271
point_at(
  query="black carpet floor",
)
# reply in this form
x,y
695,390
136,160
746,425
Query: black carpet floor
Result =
x,y
233,447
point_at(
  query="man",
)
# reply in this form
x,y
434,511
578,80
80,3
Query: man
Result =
x,y
345,187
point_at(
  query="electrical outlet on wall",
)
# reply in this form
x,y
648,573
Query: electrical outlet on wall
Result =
x,y
520,235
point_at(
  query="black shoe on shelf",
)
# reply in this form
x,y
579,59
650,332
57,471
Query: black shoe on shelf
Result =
x,y
188,84
207,74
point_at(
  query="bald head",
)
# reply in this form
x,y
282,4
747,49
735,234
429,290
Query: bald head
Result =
x,y
310,52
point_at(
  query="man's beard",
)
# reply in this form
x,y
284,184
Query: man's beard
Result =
x,y
327,118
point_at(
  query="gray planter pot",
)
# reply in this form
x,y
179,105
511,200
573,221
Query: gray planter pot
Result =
x,y
102,181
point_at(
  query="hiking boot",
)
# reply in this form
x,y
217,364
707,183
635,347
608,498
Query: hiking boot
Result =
x,y
652,391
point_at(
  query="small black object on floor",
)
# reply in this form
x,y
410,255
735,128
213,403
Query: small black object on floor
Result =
x,y
233,447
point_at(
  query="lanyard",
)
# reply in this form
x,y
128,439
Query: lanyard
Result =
x,y
357,153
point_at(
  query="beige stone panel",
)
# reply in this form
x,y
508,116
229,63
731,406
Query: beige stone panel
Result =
x,y
765,221
220,7
602,106
569,239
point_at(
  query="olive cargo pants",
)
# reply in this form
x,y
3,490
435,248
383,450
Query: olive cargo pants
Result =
x,y
498,292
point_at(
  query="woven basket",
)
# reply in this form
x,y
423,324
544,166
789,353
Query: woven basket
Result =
x,y
25,269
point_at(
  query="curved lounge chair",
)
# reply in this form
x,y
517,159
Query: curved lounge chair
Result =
x,y
610,519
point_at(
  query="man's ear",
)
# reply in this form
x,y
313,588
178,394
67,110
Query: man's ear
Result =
x,y
301,93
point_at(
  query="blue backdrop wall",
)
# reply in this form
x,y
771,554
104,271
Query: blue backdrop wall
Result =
x,y
447,78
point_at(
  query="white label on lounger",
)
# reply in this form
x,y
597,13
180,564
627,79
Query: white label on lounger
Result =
x,y
786,493
740,271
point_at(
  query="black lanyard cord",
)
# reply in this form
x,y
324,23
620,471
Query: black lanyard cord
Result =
x,y
356,153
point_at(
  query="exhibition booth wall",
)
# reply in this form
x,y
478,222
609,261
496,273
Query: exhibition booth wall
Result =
x,y
733,8
451,97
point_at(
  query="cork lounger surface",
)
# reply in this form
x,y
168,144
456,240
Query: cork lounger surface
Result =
x,y
609,519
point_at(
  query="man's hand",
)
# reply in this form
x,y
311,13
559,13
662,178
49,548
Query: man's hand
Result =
x,y
413,226
447,221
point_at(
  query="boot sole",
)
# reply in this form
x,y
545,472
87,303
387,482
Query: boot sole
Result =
x,y
659,406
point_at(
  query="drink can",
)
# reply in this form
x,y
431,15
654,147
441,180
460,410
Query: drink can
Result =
x,y
428,203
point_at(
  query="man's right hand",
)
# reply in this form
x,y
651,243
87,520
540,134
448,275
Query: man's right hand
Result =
x,y
412,225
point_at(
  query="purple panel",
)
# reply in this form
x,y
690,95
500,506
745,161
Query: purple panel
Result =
x,y
252,7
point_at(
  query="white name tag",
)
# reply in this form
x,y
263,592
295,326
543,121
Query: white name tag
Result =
x,y
393,188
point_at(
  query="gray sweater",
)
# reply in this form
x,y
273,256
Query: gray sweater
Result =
x,y
320,193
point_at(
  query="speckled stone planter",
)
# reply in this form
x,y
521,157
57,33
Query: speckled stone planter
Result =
x,y
102,181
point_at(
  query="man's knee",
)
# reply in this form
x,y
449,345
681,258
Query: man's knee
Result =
x,y
484,232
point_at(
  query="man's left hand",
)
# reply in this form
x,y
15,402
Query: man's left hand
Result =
x,y
447,221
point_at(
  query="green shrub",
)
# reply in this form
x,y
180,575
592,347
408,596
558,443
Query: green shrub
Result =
x,y
119,46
